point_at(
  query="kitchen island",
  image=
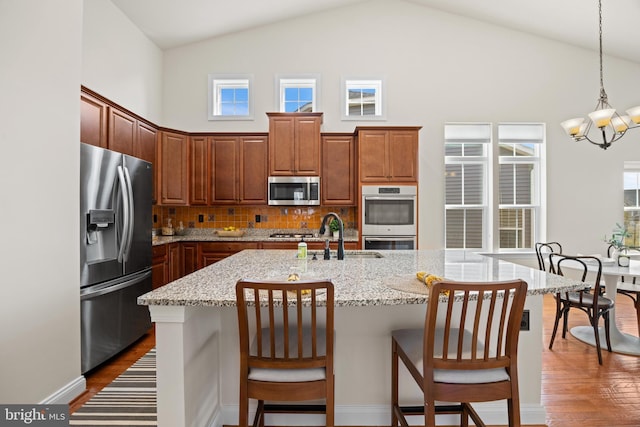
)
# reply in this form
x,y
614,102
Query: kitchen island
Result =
x,y
196,331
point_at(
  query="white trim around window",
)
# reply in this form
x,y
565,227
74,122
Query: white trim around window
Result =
x,y
230,97
363,99
306,86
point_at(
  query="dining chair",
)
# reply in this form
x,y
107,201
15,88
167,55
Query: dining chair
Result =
x,y
466,352
543,249
589,300
629,288
286,347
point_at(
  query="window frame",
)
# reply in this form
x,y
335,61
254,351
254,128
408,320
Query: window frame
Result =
x,y
289,81
486,161
537,190
217,81
631,167
491,213
362,83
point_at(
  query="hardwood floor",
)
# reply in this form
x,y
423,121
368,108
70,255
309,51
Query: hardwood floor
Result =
x,y
576,391
104,374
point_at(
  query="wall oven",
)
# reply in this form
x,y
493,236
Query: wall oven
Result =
x,y
389,216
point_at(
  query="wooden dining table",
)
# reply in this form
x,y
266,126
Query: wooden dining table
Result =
x,y
620,342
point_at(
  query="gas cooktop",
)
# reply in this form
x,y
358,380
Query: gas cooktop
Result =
x,y
291,235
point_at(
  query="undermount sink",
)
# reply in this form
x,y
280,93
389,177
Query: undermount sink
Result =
x,y
347,254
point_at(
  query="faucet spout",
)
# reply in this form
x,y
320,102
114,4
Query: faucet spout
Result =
x,y
323,226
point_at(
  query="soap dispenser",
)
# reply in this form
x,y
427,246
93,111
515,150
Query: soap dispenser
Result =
x,y
327,252
302,249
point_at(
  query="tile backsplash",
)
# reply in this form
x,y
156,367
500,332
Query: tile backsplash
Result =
x,y
281,217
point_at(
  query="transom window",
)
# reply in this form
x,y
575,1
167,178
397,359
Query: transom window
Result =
x,y
298,95
230,98
363,100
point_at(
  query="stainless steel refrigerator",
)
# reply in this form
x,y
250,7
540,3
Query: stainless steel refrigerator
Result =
x,y
115,251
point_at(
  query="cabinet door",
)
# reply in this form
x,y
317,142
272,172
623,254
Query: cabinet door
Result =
x,y
93,121
372,154
189,253
174,261
338,170
173,154
253,170
123,132
224,170
281,145
199,169
403,155
159,267
145,149
307,148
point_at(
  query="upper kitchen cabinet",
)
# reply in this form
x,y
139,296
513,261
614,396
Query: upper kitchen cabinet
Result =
x,y
199,170
239,169
173,155
338,170
388,154
93,120
294,144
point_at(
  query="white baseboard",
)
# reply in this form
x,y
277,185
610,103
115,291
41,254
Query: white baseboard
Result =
x,y
67,393
380,415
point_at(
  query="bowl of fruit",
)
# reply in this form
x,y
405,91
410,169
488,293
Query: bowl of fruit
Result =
x,y
230,231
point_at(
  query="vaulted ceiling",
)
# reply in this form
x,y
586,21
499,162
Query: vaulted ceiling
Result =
x,y
171,23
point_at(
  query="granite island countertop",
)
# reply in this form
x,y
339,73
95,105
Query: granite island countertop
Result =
x,y
358,280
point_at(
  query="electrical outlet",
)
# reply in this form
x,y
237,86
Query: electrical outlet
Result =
x,y
524,323
257,219
200,218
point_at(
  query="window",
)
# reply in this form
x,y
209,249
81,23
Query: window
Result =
x,y
519,159
467,149
230,97
298,95
470,196
632,202
362,100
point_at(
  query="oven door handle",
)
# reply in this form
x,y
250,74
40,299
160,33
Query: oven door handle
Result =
x,y
410,198
388,239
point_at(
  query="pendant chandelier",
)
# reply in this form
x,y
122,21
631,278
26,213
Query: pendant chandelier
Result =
x,y
610,125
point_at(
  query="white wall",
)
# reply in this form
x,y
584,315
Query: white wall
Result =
x,y
438,68
40,43
120,62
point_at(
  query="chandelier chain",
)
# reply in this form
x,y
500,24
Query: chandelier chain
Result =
x,y
602,92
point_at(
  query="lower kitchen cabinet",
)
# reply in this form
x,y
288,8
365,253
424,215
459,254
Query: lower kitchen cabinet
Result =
x,y
211,252
175,261
159,266
189,254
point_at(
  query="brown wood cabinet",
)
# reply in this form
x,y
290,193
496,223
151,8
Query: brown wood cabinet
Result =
x,y
294,143
93,120
174,261
159,266
238,169
173,152
211,252
189,257
199,170
123,131
388,154
338,170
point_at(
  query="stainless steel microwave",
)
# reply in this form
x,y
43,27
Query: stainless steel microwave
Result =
x,y
294,190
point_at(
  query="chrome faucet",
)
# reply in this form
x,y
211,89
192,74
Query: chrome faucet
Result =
x,y
340,232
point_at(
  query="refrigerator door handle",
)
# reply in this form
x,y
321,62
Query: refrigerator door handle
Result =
x,y
112,286
131,213
126,215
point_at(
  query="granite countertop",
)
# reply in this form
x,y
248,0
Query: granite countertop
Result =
x,y
250,235
358,280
